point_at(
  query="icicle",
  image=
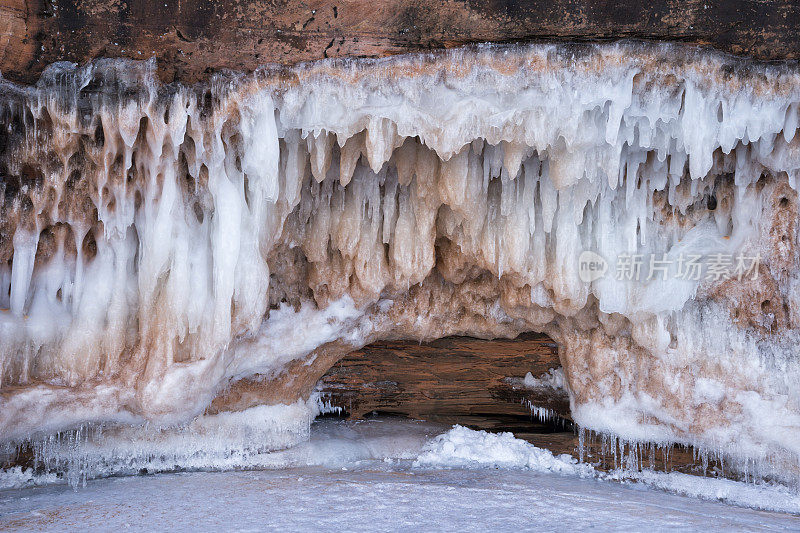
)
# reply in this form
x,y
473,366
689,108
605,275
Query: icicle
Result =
x,y
319,146
22,269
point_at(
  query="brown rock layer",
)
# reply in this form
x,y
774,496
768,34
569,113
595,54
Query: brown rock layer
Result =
x,y
191,38
448,377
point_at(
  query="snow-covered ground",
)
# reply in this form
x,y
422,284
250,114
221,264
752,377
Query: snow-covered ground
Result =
x,y
399,475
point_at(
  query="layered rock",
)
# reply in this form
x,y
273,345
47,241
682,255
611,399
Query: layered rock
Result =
x,y
192,39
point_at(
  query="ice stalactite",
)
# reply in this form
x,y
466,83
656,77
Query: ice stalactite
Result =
x,y
160,242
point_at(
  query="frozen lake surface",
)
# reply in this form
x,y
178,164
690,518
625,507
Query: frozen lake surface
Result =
x,y
313,498
491,482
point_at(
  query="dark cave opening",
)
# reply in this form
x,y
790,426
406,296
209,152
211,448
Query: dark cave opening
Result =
x,y
473,382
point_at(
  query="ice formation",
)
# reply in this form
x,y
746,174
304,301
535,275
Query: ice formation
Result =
x,y
552,379
162,244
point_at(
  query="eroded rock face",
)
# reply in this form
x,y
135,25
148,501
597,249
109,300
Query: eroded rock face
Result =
x,y
194,38
162,242
453,378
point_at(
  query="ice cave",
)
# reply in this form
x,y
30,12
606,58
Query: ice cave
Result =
x,y
182,265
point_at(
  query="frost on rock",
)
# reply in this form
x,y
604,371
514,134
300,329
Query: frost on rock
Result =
x,y
159,244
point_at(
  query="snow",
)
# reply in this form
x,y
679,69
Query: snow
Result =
x,y
370,499
389,475
225,444
465,448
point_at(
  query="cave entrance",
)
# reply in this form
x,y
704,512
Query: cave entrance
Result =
x,y
454,380
481,384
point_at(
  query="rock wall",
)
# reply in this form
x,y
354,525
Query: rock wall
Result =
x,y
192,38
449,378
